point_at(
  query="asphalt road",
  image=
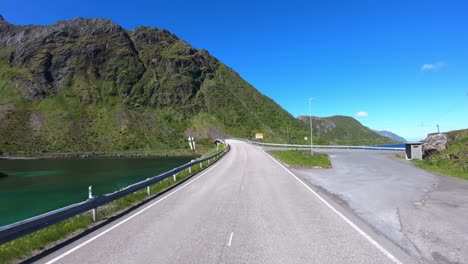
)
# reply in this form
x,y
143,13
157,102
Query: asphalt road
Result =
x,y
423,212
246,208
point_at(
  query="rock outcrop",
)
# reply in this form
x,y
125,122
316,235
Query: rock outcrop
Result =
x,y
434,143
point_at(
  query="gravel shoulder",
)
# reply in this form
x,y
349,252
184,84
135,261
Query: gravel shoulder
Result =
x,y
422,212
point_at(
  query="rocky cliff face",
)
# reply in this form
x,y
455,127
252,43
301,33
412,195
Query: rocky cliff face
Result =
x,y
90,85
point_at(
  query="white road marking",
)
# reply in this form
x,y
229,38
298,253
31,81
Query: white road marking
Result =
x,y
230,239
354,226
129,218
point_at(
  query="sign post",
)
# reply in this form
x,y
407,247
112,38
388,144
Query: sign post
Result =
x,y
192,145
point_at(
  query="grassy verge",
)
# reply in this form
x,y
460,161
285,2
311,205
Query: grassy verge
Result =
x,y
400,156
445,167
302,158
454,160
26,246
130,153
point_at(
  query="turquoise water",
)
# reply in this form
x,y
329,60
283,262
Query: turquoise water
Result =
x,y
38,186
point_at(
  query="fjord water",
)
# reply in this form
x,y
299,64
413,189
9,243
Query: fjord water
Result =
x,y
38,186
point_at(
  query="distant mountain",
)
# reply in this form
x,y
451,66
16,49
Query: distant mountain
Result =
x,y
90,85
343,130
390,135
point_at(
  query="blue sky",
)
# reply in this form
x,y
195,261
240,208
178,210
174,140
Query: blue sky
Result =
x,y
405,64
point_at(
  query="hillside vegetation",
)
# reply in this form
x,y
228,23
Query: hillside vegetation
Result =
x,y
344,130
90,85
454,160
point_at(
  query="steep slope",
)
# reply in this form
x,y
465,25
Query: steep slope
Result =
x,y
90,85
343,130
390,135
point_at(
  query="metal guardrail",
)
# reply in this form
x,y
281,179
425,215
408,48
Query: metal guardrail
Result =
x,y
28,226
322,146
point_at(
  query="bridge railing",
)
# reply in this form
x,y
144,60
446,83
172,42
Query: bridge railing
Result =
x,y
28,226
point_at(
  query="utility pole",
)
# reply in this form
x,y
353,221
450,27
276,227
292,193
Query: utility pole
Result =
x,y
310,119
438,130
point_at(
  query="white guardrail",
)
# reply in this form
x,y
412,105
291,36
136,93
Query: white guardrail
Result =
x,y
28,226
323,146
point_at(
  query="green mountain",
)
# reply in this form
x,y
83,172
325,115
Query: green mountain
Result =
x,y
343,130
90,85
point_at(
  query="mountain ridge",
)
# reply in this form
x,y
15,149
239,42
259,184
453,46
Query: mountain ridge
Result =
x,y
87,85
90,85
343,130
390,135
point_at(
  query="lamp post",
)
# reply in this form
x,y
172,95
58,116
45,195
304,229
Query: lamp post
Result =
x,y
310,118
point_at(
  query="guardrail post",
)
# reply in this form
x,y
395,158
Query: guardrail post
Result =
x,y
208,161
174,177
90,196
201,165
148,189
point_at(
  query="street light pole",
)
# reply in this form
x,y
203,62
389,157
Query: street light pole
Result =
x,y
310,118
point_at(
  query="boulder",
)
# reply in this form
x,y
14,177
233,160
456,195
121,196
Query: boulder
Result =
x,y
434,143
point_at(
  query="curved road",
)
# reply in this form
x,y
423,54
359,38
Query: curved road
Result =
x,y
247,208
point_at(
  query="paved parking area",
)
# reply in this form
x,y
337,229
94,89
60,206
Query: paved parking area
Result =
x,y
424,213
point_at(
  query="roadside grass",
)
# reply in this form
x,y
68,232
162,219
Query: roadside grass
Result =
x,y
400,156
24,247
454,160
213,151
445,167
302,158
130,153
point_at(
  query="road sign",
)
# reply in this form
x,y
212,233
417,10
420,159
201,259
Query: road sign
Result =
x,y
258,135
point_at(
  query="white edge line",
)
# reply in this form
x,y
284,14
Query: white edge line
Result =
x,y
230,239
354,226
129,218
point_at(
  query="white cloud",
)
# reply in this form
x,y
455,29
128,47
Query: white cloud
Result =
x,y
433,66
362,114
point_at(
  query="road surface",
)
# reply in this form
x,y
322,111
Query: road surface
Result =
x,y
397,199
246,208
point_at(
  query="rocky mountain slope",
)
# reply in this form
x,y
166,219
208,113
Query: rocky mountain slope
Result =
x,y
343,130
390,135
90,85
